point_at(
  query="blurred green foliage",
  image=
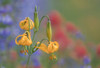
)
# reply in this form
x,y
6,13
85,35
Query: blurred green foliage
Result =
x,y
84,13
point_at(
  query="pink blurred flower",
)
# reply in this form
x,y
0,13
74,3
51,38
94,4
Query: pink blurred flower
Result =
x,y
98,50
71,27
13,55
80,50
55,18
63,39
59,34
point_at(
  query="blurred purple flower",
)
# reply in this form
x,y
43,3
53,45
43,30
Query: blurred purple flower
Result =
x,y
7,20
5,9
15,31
37,53
36,62
82,66
86,60
61,62
89,66
2,45
1,17
79,35
25,11
11,43
8,8
2,9
1,32
5,32
21,54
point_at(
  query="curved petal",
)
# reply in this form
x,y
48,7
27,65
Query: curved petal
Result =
x,y
43,47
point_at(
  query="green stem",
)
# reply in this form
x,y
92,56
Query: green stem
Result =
x,y
34,35
43,18
28,61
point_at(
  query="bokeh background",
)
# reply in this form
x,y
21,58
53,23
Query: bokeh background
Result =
x,y
75,25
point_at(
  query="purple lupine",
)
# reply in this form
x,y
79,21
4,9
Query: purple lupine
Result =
x,y
2,9
36,62
25,11
37,53
1,17
11,43
1,32
82,66
8,8
89,66
5,9
6,32
86,60
7,20
2,45
21,54
61,61
79,35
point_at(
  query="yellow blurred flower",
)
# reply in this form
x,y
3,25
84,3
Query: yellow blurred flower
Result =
x,y
51,48
26,23
25,39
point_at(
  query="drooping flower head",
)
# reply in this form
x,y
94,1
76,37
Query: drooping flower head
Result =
x,y
25,39
26,23
51,48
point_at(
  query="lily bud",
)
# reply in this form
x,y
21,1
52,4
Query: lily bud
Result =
x,y
36,19
49,31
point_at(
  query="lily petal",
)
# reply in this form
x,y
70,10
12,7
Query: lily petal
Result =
x,y
43,47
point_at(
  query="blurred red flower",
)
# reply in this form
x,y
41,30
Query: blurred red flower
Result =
x,y
63,39
55,18
13,55
71,27
80,51
98,50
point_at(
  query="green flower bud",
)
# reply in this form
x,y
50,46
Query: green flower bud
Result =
x,y
49,31
36,19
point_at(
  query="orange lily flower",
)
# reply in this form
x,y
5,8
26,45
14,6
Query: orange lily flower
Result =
x,y
51,48
24,24
25,39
